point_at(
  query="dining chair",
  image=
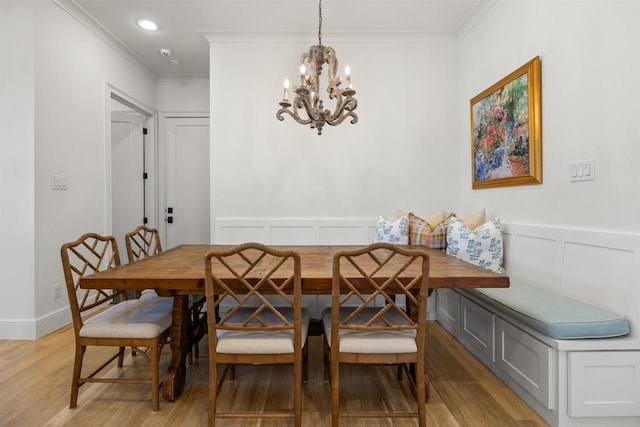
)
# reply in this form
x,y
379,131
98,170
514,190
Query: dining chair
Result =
x,y
141,324
387,334
265,324
144,241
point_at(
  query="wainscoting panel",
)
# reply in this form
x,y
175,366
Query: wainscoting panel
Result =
x,y
599,389
295,231
232,234
597,267
545,267
601,275
291,235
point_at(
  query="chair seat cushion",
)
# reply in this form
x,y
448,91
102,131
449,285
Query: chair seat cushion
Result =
x,y
151,293
351,341
148,293
258,342
138,318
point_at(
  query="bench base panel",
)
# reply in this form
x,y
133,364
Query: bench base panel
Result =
x,y
596,383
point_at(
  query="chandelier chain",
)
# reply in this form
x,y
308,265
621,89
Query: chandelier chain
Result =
x,y
320,22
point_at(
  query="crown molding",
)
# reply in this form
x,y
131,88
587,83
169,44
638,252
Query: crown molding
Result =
x,y
229,36
474,17
184,78
81,15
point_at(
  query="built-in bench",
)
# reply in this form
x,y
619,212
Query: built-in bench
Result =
x,y
575,363
566,381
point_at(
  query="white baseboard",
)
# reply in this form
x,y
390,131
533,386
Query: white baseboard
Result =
x,y
30,329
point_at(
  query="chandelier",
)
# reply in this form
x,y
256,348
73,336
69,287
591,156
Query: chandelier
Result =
x,y
307,107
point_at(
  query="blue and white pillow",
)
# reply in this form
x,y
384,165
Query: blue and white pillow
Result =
x,y
482,247
392,231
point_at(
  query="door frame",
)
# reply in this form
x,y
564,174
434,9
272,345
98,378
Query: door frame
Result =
x,y
151,153
163,116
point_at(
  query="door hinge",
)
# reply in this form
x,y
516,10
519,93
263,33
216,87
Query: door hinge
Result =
x,y
144,175
145,220
144,131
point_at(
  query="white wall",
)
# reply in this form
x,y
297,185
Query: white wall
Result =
x,y
590,56
397,155
17,146
182,94
70,108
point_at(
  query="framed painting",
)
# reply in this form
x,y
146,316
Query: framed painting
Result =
x,y
506,131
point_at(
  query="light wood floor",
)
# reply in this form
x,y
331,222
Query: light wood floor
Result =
x,y
35,381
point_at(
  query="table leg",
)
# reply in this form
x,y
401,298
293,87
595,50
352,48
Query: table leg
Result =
x,y
412,310
176,372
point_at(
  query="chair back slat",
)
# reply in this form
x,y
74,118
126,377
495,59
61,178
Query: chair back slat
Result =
x,y
375,274
256,277
89,254
142,242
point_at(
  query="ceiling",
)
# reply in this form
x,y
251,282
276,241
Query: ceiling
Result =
x,y
183,23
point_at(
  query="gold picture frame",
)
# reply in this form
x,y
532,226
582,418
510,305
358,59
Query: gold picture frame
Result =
x,y
506,131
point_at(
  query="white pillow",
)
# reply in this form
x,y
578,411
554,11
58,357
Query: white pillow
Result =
x,y
392,231
482,247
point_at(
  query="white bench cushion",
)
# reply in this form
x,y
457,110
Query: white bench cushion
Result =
x,y
267,342
352,341
138,318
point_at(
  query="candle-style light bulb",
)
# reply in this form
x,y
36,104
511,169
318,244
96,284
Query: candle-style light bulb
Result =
x,y
303,72
286,89
347,73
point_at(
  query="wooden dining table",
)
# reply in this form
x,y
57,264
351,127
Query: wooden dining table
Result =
x,y
179,272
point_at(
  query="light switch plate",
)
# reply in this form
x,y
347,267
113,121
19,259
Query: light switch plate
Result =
x,y
58,182
582,170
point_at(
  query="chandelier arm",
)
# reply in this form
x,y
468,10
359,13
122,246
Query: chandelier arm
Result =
x,y
336,119
303,101
299,102
349,104
331,117
354,119
295,116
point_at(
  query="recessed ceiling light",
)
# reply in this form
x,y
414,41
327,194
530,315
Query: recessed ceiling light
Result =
x,y
147,25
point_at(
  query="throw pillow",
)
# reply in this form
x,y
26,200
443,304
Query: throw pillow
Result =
x,y
474,220
433,219
482,247
422,232
392,231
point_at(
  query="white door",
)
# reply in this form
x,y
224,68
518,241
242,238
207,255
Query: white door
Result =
x,y
127,168
187,159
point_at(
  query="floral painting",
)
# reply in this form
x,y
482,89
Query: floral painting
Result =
x,y
505,135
